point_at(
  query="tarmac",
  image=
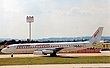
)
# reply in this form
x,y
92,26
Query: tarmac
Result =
x,y
60,54
60,66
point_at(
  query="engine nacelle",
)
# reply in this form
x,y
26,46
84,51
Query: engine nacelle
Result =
x,y
47,51
43,52
37,53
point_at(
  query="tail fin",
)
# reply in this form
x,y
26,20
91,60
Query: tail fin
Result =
x,y
96,36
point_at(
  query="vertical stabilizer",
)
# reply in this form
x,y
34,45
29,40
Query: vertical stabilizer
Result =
x,y
96,36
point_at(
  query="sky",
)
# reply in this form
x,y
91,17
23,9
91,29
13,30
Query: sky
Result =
x,y
53,18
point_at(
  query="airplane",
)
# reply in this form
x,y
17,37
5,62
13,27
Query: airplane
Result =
x,y
52,48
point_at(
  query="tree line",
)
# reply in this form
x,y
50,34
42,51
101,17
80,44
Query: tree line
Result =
x,y
13,41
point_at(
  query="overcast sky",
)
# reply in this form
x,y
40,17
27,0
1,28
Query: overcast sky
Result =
x,y
54,18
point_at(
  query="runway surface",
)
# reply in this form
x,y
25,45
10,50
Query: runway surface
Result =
x,y
60,54
60,66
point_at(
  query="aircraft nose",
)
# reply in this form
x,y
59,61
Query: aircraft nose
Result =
x,y
4,50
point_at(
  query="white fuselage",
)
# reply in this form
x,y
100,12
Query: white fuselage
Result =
x,y
31,47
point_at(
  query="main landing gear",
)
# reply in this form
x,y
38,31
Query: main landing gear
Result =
x,y
53,54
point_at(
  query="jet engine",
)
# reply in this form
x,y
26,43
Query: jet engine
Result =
x,y
47,51
43,52
37,53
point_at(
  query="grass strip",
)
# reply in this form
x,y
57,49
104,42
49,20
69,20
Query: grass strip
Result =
x,y
55,60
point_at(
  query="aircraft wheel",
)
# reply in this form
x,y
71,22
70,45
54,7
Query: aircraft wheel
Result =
x,y
53,55
12,55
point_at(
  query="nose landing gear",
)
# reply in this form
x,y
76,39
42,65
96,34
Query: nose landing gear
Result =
x,y
11,54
